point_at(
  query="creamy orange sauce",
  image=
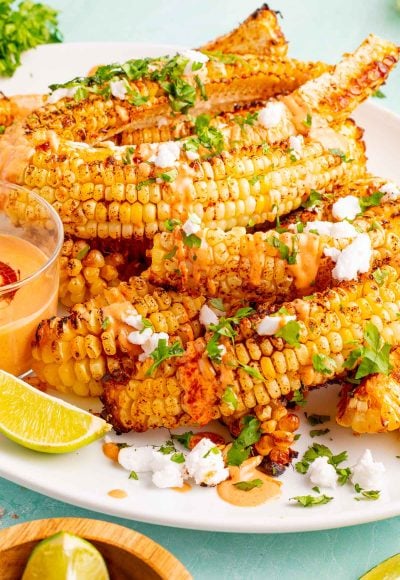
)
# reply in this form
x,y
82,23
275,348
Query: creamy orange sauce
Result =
x,y
309,252
299,112
20,316
184,489
111,451
328,137
15,154
248,471
114,314
117,493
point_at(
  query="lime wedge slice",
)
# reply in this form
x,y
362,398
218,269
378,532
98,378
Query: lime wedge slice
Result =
x,y
38,421
65,556
387,570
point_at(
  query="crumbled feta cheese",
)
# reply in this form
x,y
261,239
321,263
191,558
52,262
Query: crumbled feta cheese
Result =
x,y
332,253
61,94
271,115
192,225
367,472
118,89
194,56
140,337
391,191
322,473
205,463
346,208
335,230
192,155
151,344
162,121
168,477
133,318
296,143
354,259
222,349
167,154
207,316
269,325
136,458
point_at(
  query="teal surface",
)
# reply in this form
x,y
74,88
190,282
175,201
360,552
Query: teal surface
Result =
x,y
316,29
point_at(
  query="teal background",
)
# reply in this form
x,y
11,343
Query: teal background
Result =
x,y
317,29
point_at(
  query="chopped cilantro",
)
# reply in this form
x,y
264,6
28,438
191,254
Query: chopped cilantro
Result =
x,y
2,129
297,436
146,324
133,475
283,249
265,148
191,240
208,136
374,356
323,364
178,457
181,95
318,432
317,419
319,450
253,372
341,154
83,252
312,500
380,276
145,182
314,199
343,474
248,485
184,439
169,176
249,435
379,94
164,352
106,323
167,448
249,119
171,224
218,304
225,328
371,495
370,200
127,159
213,450
201,88
299,227
229,397
316,489
308,120
290,333
171,254
220,56
298,398
253,180
80,94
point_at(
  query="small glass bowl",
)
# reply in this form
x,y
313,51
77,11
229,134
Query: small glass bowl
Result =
x,y
31,236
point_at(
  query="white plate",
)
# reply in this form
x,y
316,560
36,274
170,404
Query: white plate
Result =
x,y
84,478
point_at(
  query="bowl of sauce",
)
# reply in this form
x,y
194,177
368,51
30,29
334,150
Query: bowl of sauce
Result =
x,y
31,236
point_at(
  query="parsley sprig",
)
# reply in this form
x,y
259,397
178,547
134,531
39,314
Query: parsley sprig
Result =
x,y
249,435
318,450
207,136
373,357
311,500
225,327
164,352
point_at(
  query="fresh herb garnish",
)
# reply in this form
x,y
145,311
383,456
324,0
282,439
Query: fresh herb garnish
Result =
x,y
323,364
171,254
207,136
184,439
370,200
341,154
380,276
314,199
343,474
169,176
106,323
127,159
217,304
318,432
164,352
178,457
2,129
219,56
283,249
22,28
214,450
201,88
191,240
312,500
298,398
290,333
146,324
145,182
248,485
249,119
253,372
133,475
83,252
372,494
319,450
249,435
171,224
374,356
225,328
308,120
167,448
229,397
315,419
379,94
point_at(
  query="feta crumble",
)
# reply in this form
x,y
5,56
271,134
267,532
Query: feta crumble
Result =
x,y
353,260
322,473
346,208
136,458
167,154
118,89
133,318
194,56
296,143
59,94
391,191
367,473
271,115
207,316
192,225
205,463
192,155
269,325
336,230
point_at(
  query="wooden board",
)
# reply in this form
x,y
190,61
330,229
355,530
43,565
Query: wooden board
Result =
x,y
128,554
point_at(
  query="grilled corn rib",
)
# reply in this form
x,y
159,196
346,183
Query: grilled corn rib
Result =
x,y
17,107
259,369
373,406
260,33
271,265
74,353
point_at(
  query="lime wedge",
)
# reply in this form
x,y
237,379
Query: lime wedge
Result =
x,y
38,421
387,570
65,557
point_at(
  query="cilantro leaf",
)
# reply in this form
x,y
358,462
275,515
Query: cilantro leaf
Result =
x,y
283,249
133,475
178,457
249,435
374,356
312,500
318,432
371,495
380,276
218,304
317,419
379,94
253,372
164,352
83,252
208,136
229,397
314,199
341,154
184,439
248,485
298,398
106,323
308,120
290,333
370,200
323,364
191,240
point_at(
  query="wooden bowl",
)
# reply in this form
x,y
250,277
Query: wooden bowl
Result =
x,y
128,554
